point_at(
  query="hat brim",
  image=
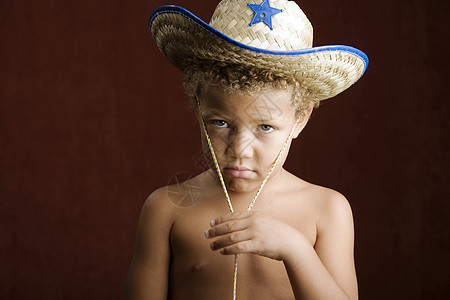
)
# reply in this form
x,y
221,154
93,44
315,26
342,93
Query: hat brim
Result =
x,y
187,41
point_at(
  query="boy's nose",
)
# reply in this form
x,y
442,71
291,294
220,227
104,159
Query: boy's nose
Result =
x,y
240,143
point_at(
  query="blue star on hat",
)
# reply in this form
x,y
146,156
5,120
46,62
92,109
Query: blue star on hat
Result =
x,y
263,13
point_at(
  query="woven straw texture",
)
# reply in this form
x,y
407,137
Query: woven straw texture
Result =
x,y
186,43
291,29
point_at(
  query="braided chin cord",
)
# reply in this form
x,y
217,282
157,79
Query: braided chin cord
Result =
x,y
222,182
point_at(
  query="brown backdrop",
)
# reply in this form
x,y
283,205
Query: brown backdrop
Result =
x,y
92,120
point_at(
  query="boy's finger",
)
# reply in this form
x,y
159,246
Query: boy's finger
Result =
x,y
231,239
239,248
231,216
227,227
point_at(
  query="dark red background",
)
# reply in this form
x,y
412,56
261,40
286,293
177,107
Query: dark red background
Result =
x,y
92,120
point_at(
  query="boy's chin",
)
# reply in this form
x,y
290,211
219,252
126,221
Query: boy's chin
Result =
x,y
241,185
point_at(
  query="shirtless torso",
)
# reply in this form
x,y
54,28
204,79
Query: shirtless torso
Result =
x,y
176,257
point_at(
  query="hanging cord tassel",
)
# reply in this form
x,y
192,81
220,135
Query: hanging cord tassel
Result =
x,y
222,182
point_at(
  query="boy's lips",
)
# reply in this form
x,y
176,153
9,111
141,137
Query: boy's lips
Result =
x,y
239,171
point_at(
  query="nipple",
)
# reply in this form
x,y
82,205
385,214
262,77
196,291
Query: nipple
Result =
x,y
197,267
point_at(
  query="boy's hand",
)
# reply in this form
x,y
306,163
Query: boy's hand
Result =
x,y
252,232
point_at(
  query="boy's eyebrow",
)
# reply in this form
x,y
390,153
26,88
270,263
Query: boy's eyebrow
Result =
x,y
257,117
263,118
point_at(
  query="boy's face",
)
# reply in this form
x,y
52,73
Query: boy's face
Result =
x,y
247,132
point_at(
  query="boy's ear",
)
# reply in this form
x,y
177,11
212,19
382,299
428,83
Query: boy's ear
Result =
x,y
301,123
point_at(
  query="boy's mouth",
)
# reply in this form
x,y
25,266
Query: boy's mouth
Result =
x,y
239,171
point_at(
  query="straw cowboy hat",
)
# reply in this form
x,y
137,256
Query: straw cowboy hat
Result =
x,y
267,34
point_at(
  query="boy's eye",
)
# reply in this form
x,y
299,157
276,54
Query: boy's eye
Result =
x,y
220,123
265,128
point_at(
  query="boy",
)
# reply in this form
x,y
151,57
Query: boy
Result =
x,y
254,79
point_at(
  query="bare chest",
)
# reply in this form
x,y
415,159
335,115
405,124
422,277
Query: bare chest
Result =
x,y
197,272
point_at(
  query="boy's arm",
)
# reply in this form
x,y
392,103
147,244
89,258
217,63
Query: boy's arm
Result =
x,y
149,269
326,271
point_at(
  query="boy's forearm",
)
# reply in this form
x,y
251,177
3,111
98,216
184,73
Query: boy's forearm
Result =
x,y
308,276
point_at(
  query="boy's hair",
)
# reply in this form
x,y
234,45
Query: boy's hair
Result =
x,y
234,79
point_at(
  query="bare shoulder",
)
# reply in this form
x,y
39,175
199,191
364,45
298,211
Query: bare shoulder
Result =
x,y
169,201
157,208
332,216
159,200
327,204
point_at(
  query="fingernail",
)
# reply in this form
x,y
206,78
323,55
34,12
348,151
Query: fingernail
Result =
x,y
212,223
211,246
207,233
222,251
